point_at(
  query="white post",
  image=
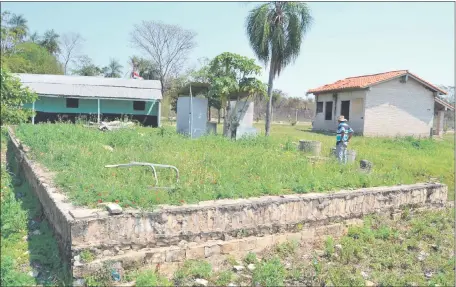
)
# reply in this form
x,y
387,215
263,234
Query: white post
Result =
x,y
440,120
191,112
159,115
33,109
98,118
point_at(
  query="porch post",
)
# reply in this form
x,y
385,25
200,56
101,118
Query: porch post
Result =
x,y
98,118
33,109
440,120
159,114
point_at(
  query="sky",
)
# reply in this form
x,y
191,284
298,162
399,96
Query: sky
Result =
x,y
346,39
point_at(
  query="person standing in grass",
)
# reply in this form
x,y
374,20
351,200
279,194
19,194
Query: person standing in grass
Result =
x,y
344,134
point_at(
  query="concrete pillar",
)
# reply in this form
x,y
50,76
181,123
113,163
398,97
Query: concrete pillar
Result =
x,y
440,121
98,111
33,109
159,114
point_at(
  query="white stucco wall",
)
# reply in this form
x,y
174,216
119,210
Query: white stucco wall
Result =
x,y
395,108
356,111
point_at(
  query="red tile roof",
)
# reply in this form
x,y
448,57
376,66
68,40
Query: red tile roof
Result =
x,y
366,81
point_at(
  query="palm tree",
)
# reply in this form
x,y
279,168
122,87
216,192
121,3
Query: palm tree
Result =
x,y
34,38
275,31
18,26
113,70
51,42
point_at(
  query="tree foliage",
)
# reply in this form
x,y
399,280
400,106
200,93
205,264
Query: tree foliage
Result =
x,y
50,42
233,77
21,55
13,31
113,70
86,67
31,58
13,96
275,31
145,68
70,48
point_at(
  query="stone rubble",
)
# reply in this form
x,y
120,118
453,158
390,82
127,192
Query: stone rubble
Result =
x,y
238,268
201,282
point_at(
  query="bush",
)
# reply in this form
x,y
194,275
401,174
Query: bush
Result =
x,y
270,273
13,96
149,278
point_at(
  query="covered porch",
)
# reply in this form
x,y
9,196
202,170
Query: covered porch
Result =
x,y
440,108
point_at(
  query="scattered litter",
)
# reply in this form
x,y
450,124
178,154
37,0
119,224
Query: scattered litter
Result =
x,y
201,282
36,232
238,268
109,126
151,165
251,267
369,283
26,252
106,147
428,274
115,275
365,165
77,258
365,275
422,256
232,285
77,264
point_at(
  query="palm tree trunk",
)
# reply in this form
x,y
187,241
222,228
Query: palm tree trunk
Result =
x,y
269,105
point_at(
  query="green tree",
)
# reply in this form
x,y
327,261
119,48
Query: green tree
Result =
x,y
50,41
10,34
31,58
34,38
18,26
13,96
145,68
85,67
113,70
232,77
275,31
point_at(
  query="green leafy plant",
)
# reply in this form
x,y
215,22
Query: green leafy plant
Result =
x,y
270,273
13,97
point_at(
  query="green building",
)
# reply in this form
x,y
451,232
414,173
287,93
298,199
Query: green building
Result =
x,y
96,98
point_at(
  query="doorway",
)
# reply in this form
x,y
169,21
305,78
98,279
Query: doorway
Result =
x,y
345,109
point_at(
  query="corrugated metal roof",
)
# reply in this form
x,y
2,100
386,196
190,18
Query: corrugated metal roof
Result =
x,y
92,87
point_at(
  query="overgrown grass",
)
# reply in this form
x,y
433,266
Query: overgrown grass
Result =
x,y
214,167
29,253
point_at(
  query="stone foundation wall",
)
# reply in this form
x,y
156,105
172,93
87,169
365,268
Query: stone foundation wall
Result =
x,y
54,206
222,219
209,229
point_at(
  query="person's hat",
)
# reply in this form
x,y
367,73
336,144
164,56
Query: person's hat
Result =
x,y
341,119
